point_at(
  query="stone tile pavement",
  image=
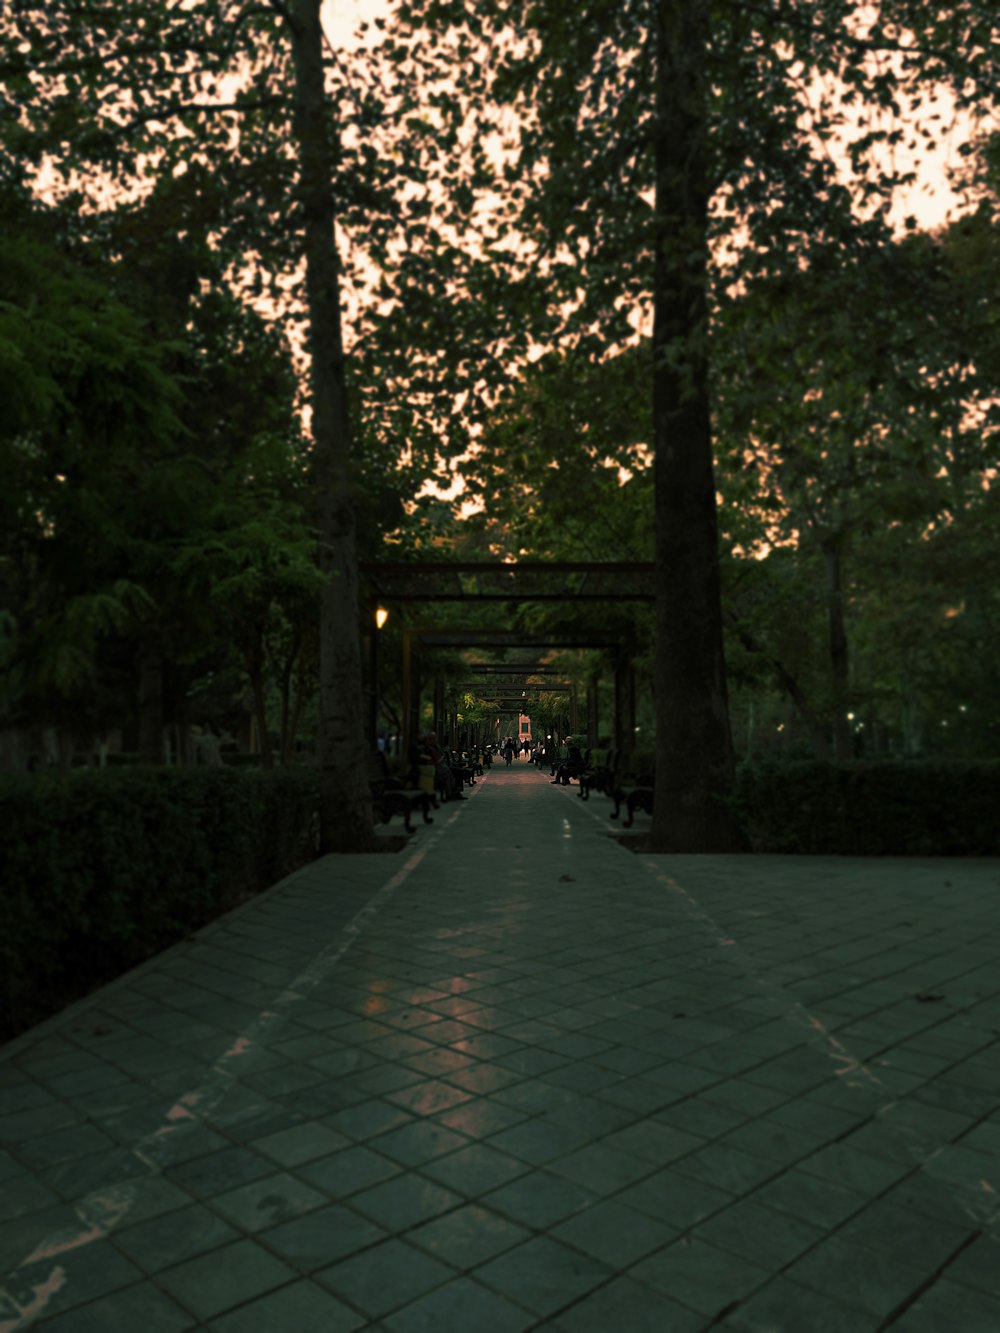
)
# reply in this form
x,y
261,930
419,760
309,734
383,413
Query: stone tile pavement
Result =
x,y
516,1077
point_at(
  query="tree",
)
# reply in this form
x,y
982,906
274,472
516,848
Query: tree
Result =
x,y
157,485
88,395
650,134
346,812
694,751
134,89
851,387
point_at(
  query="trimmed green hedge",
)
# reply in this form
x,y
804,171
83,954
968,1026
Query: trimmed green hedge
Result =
x,y
872,808
101,869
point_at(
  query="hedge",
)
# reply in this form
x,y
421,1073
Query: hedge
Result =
x,y
871,808
101,869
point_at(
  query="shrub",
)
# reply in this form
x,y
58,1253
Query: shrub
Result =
x,y
101,869
874,808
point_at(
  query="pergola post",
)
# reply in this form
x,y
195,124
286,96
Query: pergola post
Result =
x,y
593,710
373,673
624,703
440,720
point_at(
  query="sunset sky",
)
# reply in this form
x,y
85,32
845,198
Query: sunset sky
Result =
x,y
930,200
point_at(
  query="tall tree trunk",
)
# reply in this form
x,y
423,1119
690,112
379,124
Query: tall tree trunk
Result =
x,y
694,760
839,662
346,822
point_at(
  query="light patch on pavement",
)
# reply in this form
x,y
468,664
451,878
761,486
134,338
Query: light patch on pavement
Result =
x,y
43,1294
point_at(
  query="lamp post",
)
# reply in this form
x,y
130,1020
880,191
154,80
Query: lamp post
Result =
x,y
381,616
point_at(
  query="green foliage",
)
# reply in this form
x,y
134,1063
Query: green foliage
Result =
x,y
849,392
562,468
878,808
94,405
102,869
155,489
72,358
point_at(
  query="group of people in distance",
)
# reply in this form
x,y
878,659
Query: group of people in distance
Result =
x,y
439,771
564,760
511,747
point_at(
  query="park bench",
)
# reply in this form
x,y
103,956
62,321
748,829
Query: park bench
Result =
x,y
627,781
391,795
635,798
462,770
574,770
598,774
633,788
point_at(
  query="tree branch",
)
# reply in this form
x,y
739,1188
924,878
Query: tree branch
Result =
x,y
173,109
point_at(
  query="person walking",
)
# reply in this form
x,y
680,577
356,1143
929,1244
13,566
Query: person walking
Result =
x,y
508,750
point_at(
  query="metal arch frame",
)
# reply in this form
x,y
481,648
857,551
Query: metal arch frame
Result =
x,y
503,581
464,638
519,581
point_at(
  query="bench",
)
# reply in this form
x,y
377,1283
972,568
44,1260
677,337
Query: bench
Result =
x,y
390,795
598,774
635,798
573,770
461,770
632,788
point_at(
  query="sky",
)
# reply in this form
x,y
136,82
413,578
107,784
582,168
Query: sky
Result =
x,y
341,18
929,200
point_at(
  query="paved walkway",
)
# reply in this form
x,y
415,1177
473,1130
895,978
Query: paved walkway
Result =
x,y
517,1077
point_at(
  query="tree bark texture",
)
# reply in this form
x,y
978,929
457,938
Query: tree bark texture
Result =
x,y
346,821
694,760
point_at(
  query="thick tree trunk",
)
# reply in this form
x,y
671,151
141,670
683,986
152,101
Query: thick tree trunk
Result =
x,y
839,662
694,760
346,823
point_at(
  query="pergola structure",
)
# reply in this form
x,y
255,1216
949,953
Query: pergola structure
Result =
x,y
501,581
416,639
513,695
562,582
